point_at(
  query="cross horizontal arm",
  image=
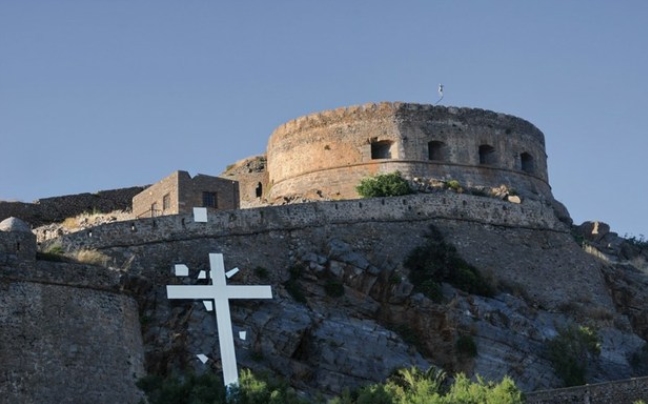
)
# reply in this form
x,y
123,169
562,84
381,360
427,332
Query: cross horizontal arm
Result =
x,y
249,292
214,292
190,292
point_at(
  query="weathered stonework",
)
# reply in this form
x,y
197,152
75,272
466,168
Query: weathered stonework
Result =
x,y
56,209
69,335
17,242
363,244
621,392
325,155
252,176
179,193
59,315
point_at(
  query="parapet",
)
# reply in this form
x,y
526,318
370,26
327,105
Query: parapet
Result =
x,y
328,153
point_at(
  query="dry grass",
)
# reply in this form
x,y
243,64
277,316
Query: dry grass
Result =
x,y
70,223
90,219
640,263
92,257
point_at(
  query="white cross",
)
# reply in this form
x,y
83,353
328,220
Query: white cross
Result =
x,y
220,293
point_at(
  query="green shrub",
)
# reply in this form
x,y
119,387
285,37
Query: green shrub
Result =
x,y
454,185
208,389
293,288
417,387
639,241
55,249
334,288
639,361
261,272
571,351
384,185
403,387
408,334
54,252
466,346
435,262
465,391
292,284
204,389
43,256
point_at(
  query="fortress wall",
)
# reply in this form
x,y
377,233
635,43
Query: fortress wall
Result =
x,y
462,140
341,182
58,208
331,151
328,139
448,205
66,342
621,392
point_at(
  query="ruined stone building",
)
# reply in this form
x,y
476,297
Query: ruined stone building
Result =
x,y
325,155
179,193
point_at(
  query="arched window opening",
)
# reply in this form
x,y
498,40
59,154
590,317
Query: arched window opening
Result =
x,y
487,154
436,151
259,190
526,161
381,149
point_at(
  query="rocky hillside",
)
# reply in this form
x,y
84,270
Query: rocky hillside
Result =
x,y
345,312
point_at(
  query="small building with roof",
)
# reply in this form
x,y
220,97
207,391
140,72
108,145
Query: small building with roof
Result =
x,y
17,242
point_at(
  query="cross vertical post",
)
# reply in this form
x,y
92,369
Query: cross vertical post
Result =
x,y
220,293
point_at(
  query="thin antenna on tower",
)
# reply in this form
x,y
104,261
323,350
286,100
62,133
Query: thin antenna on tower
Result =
x,y
440,90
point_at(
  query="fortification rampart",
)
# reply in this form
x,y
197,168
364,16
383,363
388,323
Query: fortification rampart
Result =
x,y
530,214
68,336
328,153
619,392
56,209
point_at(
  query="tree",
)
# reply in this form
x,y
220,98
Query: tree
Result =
x,y
571,351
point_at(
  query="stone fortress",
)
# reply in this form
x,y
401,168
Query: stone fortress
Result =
x,y
325,155
320,158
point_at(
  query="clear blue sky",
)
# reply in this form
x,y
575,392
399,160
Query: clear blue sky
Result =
x,y
101,94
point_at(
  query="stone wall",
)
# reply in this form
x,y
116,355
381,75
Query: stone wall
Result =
x,y
252,177
327,154
179,193
449,205
191,192
56,209
619,392
68,336
517,244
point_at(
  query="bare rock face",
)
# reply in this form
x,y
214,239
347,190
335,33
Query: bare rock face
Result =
x,y
345,314
594,231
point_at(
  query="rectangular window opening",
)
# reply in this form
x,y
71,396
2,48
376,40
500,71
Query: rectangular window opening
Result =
x,y
210,200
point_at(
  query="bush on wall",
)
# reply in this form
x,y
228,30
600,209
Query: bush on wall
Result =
x,y
384,185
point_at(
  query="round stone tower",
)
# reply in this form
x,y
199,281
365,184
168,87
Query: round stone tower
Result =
x,y
327,154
